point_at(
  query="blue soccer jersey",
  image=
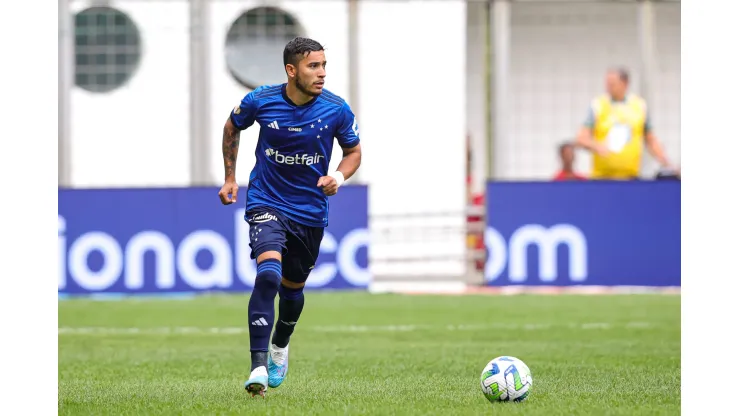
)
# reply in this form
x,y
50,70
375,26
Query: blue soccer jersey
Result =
x,y
293,150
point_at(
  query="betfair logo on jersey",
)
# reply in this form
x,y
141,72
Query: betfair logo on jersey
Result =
x,y
301,159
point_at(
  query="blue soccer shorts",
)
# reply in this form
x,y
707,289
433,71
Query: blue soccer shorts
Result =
x,y
269,230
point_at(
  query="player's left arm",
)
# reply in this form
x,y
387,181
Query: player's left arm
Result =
x,y
351,159
347,134
654,146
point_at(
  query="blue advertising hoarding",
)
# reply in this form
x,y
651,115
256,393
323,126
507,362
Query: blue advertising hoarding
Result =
x,y
584,233
183,240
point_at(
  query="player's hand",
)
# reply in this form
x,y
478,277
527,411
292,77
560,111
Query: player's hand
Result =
x,y
668,169
601,150
228,192
329,183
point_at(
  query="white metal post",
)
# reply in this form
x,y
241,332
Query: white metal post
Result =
x,y
200,98
476,111
501,56
648,53
354,68
66,82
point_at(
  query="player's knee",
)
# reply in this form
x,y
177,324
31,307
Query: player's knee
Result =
x,y
269,254
292,285
290,290
269,272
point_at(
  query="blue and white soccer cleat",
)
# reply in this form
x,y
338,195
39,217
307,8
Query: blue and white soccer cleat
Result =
x,y
257,383
277,365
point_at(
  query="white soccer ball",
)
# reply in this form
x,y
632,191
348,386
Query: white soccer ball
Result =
x,y
506,379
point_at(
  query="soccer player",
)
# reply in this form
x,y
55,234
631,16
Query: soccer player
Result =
x,y
287,197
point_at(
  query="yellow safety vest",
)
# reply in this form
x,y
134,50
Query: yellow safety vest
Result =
x,y
620,127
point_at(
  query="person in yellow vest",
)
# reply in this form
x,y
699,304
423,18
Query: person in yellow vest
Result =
x,y
616,131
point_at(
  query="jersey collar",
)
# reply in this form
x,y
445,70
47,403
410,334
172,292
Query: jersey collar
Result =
x,y
284,91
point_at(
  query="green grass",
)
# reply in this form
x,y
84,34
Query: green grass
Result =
x,y
356,353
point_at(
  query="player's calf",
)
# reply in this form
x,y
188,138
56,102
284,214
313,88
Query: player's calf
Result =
x,y
261,321
291,306
262,307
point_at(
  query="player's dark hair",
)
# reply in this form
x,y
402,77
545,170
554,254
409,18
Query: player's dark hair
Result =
x,y
623,73
298,48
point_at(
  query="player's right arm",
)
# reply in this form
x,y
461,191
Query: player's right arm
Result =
x,y
585,136
241,117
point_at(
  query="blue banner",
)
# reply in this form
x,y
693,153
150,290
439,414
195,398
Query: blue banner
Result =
x,y
584,233
184,240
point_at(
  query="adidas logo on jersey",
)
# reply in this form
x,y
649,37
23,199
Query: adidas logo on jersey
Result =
x,y
274,125
303,159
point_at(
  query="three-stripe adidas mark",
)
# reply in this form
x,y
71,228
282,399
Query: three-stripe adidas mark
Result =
x,y
260,322
274,125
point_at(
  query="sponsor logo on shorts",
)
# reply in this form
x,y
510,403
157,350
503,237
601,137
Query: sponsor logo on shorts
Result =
x,y
259,218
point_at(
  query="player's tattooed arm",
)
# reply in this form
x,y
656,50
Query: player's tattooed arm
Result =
x,y
230,149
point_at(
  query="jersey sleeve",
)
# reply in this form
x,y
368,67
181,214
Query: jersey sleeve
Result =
x,y
244,114
348,132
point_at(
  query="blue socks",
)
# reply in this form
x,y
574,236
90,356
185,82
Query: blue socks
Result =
x,y
262,309
291,306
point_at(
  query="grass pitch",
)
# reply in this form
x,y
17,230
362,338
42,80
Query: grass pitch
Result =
x,y
356,353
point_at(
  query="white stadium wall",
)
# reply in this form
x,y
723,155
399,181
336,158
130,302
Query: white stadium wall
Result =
x,y
137,135
412,81
412,100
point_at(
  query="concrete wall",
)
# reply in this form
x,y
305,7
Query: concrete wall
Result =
x,y
137,135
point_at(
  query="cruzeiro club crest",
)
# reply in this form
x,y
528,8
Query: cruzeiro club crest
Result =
x,y
355,127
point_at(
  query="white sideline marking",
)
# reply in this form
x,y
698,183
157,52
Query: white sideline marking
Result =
x,y
184,330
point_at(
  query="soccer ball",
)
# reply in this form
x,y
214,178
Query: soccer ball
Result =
x,y
506,379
